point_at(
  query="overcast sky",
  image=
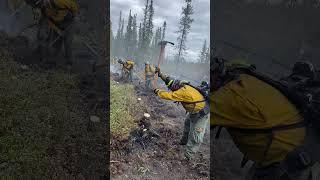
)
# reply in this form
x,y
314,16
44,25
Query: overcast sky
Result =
x,y
169,11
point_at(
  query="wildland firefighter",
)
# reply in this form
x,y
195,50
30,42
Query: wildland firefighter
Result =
x,y
56,26
195,102
267,119
127,69
14,5
149,74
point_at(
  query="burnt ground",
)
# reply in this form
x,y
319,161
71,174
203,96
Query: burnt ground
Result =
x,y
153,150
226,158
83,154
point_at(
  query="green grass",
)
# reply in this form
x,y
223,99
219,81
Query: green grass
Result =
x,y
36,115
123,106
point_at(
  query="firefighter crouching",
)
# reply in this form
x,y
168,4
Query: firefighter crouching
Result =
x,y
266,127
127,69
149,75
56,26
196,106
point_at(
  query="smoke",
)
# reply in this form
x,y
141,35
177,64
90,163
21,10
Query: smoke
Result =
x,y
9,23
114,69
5,22
13,22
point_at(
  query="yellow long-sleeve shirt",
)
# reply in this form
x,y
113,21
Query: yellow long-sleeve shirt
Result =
x,y
252,104
149,70
60,9
191,99
13,5
128,65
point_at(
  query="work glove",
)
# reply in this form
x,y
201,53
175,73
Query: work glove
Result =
x,y
156,91
157,70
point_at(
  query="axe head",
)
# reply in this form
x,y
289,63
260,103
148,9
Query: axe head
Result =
x,y
163,43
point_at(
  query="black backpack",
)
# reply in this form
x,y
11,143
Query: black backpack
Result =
x,y
204,90
302,88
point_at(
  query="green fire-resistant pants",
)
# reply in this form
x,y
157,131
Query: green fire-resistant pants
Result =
x,y
149,82
127,75
130,75
194,129
309,173
47,36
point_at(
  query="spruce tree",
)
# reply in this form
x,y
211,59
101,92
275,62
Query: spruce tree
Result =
x,y
117,42
134,42
207,60
140,39
164,27
203,53
128,36
150,23
111,44
144,28
121,40
184,29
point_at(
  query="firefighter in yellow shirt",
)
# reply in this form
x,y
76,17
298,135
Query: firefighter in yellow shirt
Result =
x,y
127,69
56,25
195,105
149,74
14,5
265,126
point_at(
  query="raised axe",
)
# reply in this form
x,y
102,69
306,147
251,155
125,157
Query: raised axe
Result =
x,y
161,57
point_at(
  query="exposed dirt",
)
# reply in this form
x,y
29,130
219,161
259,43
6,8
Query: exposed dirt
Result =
x,y
226,158
153,150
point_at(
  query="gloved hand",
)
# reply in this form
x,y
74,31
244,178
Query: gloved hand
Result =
x,y
156,91
120,61
157,70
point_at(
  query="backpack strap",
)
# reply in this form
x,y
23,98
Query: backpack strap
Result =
x,y
288,92
269,130
195,102
244,161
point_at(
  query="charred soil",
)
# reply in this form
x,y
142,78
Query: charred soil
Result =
x,y
152,149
